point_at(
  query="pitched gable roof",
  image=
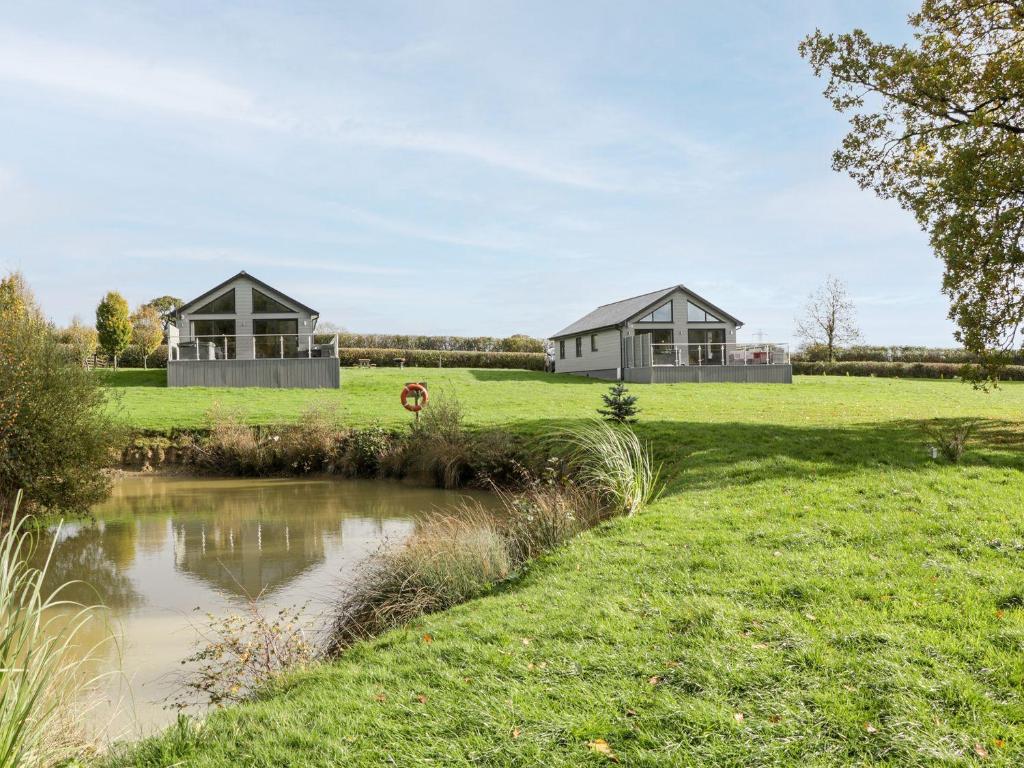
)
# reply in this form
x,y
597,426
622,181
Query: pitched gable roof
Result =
x,y
255,280
618,312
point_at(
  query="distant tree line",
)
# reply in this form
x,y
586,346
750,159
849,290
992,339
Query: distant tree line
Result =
x,y
516,343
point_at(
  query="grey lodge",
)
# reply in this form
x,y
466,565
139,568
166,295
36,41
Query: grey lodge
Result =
x,y
245,333
671,335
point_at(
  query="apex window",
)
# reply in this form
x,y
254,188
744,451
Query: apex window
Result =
x,y
662,314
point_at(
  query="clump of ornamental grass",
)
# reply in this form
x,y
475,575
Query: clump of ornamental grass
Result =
x,y
41,663
544,516
448,560
612,462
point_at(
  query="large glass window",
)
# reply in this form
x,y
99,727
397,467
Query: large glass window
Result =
x,y
220,333
263,304
663,350
269,336
593,342
707,346
662,314
561,349
695,314
579,346
222,305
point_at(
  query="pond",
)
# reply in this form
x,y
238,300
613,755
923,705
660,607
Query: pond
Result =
x,y
164,552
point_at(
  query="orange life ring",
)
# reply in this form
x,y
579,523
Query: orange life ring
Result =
x,y
419,394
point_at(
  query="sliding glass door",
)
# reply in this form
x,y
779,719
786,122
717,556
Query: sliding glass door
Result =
x,y
706,346
270,334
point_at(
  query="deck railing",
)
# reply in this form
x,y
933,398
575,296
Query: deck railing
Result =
x,y
639,352
253,346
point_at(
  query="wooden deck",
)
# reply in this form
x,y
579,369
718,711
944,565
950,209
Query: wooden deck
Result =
x,y
697,374
303,373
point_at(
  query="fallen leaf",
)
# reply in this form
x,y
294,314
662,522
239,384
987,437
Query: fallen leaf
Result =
x,y
526,641
774,718
421,698
630,713
380,697
515,733
1000,613
1000,743
531,665
870,728
654,680
738,716
760,646
602,747
980,751
810,616
428,638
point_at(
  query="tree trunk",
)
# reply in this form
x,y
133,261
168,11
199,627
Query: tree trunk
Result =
x,y
145,362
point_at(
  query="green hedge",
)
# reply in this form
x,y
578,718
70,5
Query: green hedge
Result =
x,y
898,370
390,341
895,354
530,361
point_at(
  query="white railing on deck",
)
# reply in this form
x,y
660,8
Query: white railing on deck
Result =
x,y
640,353
255,346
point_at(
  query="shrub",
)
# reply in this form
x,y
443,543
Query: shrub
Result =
x,y
244,652
613,463
55,436
233,447
530,361
897,354
951,437
37,674
366,449
439,447
546,515
132,357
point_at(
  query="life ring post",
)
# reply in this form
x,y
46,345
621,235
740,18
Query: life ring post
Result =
x,y
416,391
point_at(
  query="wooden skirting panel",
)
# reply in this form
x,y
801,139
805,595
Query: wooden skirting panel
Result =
x,y
698,374
304,373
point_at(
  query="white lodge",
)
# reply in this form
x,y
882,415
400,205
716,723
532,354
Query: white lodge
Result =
x,y
245,333
671,335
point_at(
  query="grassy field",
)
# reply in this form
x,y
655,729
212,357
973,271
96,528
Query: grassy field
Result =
x,y
813,589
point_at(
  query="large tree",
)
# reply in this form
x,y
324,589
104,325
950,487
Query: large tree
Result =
x,y
164,304
147,331
939,126
829,318
113,324
55,429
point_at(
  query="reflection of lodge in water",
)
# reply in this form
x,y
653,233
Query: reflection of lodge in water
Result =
x,y
247,557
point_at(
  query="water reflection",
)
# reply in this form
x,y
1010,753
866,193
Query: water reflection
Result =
x,y
163,552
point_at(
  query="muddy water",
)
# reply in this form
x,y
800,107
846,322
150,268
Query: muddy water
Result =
x,y
164,552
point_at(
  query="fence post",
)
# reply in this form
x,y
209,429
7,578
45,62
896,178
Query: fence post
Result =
x,y
225,347
254,347
309,346
281,341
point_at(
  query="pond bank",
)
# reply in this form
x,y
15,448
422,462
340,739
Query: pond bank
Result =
x,y
166,551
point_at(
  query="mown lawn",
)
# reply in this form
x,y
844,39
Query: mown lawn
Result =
x,y
813,589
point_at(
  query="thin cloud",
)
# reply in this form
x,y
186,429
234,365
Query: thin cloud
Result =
x,y
242,258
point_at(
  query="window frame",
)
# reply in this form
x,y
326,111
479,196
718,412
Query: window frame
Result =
x,y
593,342
671,313
285,310
561,349
218,297
708,317
579,346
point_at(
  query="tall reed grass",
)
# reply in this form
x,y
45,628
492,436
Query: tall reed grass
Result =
x,y
612,462
40,667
